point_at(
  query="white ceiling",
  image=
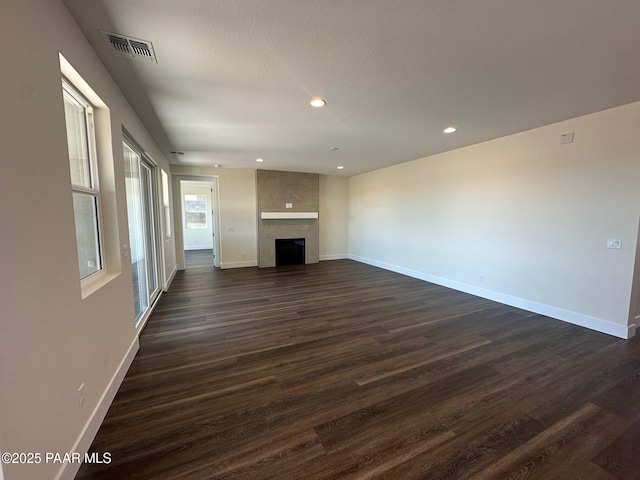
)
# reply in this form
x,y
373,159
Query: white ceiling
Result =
x,y
234,77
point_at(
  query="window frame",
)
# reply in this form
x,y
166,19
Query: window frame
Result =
x,y
93,190
186,211
166,205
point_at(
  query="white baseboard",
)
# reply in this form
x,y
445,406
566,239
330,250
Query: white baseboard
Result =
x,y
593,323
69,470
238,264
167,284
199,247
334,256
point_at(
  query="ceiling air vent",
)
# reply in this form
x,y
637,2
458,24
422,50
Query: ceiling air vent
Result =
x,y
133,48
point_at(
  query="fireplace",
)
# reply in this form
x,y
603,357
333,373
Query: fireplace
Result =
x,y
288,211
289,251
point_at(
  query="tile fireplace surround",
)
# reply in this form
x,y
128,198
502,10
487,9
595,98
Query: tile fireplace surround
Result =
x,y
288,205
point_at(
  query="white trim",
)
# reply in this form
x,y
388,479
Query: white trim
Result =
x,y
95,282
287,215
238,264
593,323
150,224
334,256
76,79
167,284
148,312
200,247
73,93
176,181
68,471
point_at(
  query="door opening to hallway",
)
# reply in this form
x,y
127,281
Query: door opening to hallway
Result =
x,y
198,226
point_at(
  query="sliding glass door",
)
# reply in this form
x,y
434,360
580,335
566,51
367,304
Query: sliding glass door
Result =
x,y
140,188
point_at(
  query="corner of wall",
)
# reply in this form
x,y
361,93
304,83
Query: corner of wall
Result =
x,y
69,470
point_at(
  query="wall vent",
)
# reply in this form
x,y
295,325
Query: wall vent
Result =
x,y
133,48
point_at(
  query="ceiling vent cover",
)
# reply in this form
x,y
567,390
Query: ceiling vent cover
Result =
x,y
133,48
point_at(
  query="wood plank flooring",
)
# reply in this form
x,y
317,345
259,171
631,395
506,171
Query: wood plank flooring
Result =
x,y
198,258
340,370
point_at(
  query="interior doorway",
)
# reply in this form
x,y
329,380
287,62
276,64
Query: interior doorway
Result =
x,y
197,198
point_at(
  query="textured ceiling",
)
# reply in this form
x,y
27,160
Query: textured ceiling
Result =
x,y
234,77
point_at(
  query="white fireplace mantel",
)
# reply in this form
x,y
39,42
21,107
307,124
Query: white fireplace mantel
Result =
x,y
287,215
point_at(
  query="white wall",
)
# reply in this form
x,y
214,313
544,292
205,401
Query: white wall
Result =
x,y
197,238
52,339
237,208
528,214
334,217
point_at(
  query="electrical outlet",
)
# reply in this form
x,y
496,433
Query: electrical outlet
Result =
x,y
82,396
614,243
481,277
566,138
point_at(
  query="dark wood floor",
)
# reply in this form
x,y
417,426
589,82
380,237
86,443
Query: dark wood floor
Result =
x,y
340,370
198,258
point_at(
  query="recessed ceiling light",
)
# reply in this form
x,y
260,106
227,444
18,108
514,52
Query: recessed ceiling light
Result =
x,y
340,167
450,129
318,102
259,160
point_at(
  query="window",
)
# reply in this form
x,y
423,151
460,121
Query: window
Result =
x,y
78,114
195,211
165,204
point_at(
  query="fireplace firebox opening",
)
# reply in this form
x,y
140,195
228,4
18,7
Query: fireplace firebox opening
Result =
x,y
289,251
